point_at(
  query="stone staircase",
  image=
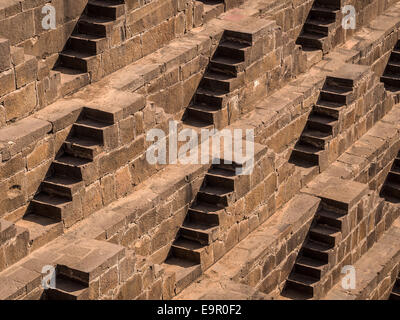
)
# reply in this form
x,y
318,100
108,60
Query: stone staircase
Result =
x,y
224,74
391,187
395,294
89,38
317,255
391,75
89,263
320,25
323,124
190,255
58,201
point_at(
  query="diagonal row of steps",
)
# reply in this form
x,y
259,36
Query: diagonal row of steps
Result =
x,y
391,75
391,187
89,38
322,124
395,294
223,75
188,256
317,255
320,23
52,208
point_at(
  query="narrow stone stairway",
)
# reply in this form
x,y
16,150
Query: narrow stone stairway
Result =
x,y
319,25
322,124
395,294
391,75
391,187
317,255
53,207
223,75
189,255
89,38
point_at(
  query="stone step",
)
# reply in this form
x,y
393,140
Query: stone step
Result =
x,y
395,55
215,195
393,67
328,108
233,167
201,233
75,60
204,213
391,189
68,289
42,229
315,138
82,147
311,40
88,267
318,26
91,44
336,94
326,234
186,272
197,124
220,81
396,289
396,166
104,8
316,250
95,26
305,152
391,80
221,177
323,123
102,117
394,176
310,267
325,13
394,296
71,80
202,112
88,128
226,65
330,218
331,4
51,206
187,250
302,283
236,50
212,9
212,98
249,34
68,166
61,186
